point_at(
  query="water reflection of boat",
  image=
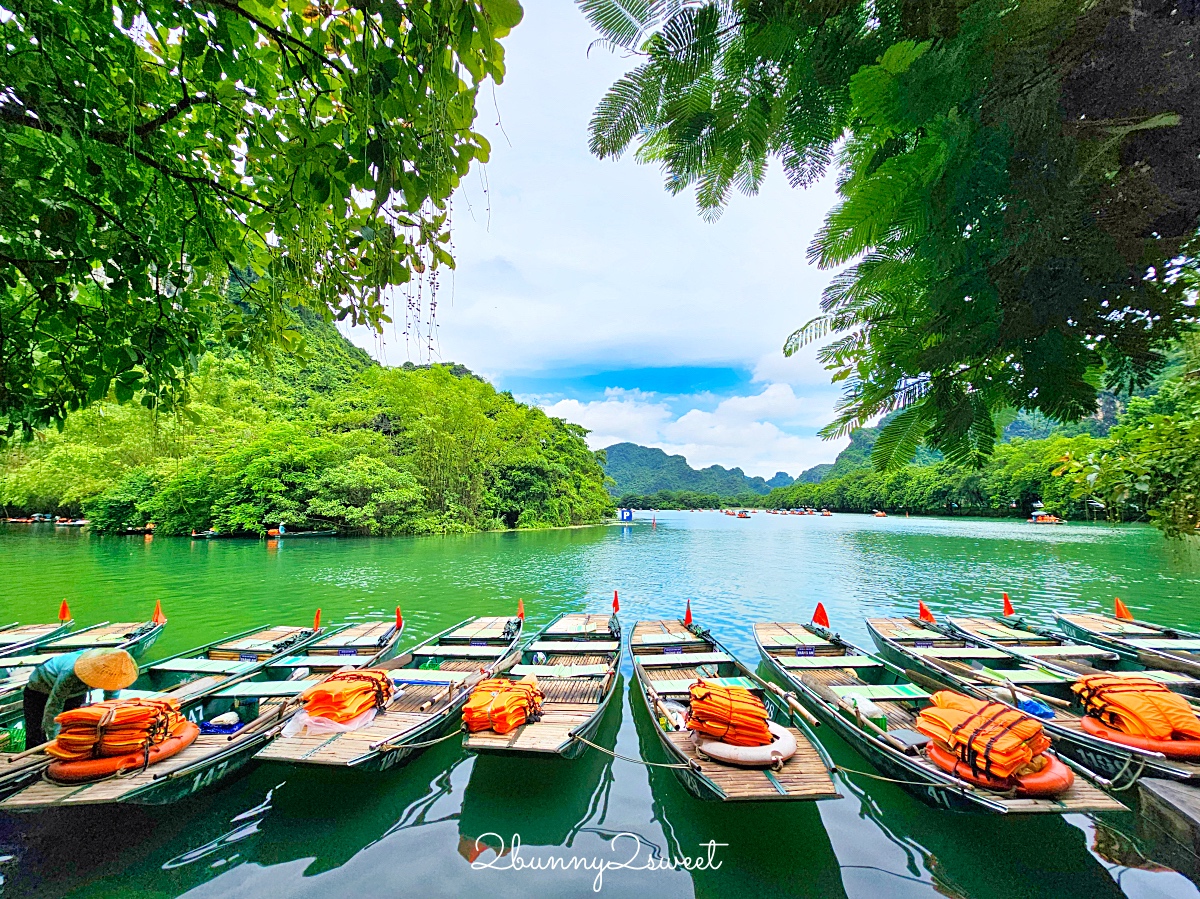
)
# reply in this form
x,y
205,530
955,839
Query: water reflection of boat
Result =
x,y
543,800
764,849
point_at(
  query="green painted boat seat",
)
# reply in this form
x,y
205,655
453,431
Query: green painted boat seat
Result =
x,y
1027,676
959,652
461,652
248,645
665,639
684,685
203,666
915,633
1181,644
687,659
31,661
1167,677
578,628
329,661
87,641
828,662
266,689
575,646
1102,624
559,670
478,631
795,638
1067,651
881,692
422,676
337,641
143,694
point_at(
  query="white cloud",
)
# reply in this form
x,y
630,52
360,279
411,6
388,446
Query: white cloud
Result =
x,y
749,432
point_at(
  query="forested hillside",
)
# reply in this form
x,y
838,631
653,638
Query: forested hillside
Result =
x,y
644,470
329,438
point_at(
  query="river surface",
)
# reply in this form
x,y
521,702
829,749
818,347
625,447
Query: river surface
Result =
x,y
426,829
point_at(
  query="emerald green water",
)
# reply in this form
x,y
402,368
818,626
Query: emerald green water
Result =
x,y
283,832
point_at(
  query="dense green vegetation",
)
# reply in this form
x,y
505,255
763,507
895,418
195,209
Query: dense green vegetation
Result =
x,y
331,439
646,470
1018,186
149,148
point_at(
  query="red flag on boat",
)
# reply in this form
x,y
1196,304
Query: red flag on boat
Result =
x,y
317,621
64,612
1008,609
1121,610
687,615
820,616
399,620
616,603
924,614
158,617
521,609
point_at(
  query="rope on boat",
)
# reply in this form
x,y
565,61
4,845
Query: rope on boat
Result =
x,y
626,758
841,769
1133,778
454,733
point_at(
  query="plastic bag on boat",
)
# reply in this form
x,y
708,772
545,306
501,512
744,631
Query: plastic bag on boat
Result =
x,y
314,725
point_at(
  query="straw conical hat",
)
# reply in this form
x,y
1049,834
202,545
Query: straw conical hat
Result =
x,y
106,669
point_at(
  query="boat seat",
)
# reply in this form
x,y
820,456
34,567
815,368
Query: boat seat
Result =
x,y
1027,676
202,666
666,639
461,652
678,659
559,670
25,661
576,646
268,688
1183,644
960,652
1067,651
915,633
828,662
801,638
685,685
425,676
329,661
881,692
1110,627
1167,677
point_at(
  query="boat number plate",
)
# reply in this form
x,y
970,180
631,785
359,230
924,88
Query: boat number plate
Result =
x,y
347,652
247,657
479,642
924,644
673,650
806,650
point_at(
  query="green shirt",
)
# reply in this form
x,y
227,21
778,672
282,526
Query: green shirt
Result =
x,y
56,677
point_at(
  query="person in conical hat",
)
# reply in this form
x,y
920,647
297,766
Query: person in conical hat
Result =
x,y
63,681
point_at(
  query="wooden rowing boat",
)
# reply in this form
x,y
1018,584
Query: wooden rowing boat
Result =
x,y
829,674
262,698
293,535
433,681
15,669
936,652
16,638
1063,653
575,659
1150,645
668,657
362,644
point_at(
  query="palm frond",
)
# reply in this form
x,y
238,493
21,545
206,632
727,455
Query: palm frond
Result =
x,y
901,436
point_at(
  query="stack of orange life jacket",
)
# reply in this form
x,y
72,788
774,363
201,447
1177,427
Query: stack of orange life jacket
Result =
x,y
116,727
990,737
344,696
1138,706
502,705
732,715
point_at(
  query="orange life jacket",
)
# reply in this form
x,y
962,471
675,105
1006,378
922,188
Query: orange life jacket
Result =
x,y
733,715
502,705
1138,706
990,737
344,696
115,727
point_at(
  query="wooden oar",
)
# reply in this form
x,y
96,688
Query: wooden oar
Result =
x,y
28,752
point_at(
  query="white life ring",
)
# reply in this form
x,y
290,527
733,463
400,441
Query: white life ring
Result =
x,y
773,755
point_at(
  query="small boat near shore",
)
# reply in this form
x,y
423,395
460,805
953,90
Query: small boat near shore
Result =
x,y
1147,644
15,638
835,680
433,681
937,653
275,534
575,660
669,656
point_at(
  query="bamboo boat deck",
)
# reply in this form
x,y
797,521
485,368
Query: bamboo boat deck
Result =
x,y
1137,635
574,660
661,651
364,638
90,638
826,675
20,635
258,646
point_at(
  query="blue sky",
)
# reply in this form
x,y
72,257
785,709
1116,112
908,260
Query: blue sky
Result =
x,y
586,288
